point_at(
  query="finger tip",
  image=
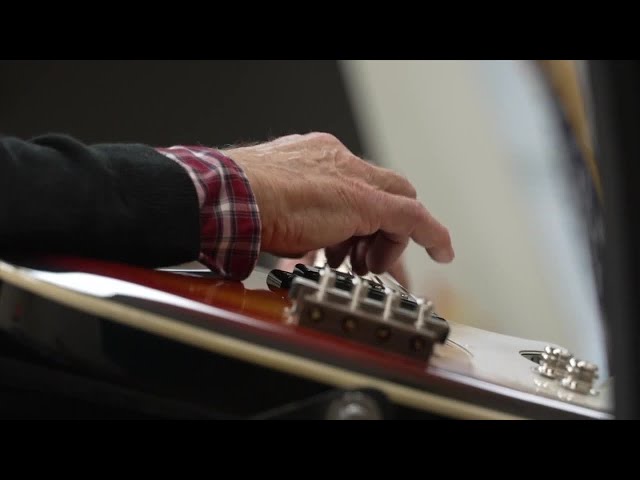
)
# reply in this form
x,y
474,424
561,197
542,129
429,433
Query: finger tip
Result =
x,y
376,266
451,255
442,255
361,272
373,266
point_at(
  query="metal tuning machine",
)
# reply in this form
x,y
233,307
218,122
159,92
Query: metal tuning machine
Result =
x,y
366,312
573,374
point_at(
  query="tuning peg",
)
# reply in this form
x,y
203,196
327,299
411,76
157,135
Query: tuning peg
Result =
x,y
554,362
391,301
327,281
425,310
580,376
358,292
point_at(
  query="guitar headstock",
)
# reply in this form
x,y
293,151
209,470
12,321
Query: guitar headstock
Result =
x,y
370,310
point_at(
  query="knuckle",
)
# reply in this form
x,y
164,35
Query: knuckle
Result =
x,y
407,186
354,191
324,137
359,165
416,211
349,166
401,183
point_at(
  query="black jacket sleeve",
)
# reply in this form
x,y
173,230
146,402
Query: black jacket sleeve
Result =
x,y
121,202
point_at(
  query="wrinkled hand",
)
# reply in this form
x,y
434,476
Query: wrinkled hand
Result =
x,y
313,193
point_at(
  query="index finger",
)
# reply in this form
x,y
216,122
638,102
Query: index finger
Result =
x,y
400,218
434,236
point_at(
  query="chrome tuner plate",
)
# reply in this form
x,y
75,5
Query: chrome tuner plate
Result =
x,y
384,322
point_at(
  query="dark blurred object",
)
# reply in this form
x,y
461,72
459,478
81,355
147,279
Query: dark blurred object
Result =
x,y
567,84
615,96
214,102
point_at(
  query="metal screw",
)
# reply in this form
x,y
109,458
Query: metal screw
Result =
x,y
349,324
383,334
418,344
315,314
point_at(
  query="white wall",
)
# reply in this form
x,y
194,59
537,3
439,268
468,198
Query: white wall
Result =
x,y
475,139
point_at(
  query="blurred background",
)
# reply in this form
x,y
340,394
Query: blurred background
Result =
x,y
478,139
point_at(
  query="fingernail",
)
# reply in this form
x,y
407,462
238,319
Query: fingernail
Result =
x,y
452,254
443,255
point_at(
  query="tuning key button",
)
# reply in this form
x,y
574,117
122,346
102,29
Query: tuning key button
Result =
x,y
279,279
554,362
312,273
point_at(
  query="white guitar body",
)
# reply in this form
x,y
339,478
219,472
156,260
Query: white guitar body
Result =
x,y
498,360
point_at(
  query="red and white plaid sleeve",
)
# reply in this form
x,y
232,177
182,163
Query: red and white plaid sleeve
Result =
x,y
229,217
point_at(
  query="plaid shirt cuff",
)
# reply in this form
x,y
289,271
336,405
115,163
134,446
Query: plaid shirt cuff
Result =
x,y
229,217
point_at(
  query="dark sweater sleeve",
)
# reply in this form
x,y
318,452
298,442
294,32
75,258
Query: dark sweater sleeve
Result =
x,y
120,202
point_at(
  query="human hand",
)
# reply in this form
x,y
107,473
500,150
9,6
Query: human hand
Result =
x,y
313,193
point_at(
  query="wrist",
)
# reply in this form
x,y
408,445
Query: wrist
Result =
x,y
230,226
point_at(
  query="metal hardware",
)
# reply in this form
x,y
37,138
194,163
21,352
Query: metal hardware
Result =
x,y
554,362
580,376
382,321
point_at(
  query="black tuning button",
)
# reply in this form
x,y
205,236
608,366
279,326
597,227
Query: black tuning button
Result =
x,y
344,281
279,279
